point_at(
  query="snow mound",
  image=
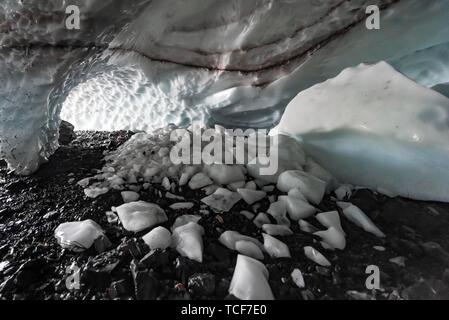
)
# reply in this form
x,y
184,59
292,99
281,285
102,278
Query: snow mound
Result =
x,y
381,130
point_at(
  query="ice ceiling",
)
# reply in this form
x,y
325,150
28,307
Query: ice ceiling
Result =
x,y
143,64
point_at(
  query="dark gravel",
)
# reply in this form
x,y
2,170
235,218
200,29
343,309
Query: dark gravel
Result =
x,y
34,266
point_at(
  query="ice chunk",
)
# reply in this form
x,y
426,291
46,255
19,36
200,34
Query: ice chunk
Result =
x,y
306,227
278,210
357,216
95,192
79,235
250,280
222,200
275,248
185,219
344,192
277,230
311,187
158,238
296,193
199,180
249,248
297,208
330,219
319,172
261,219
229,239
247,214
298,279
332,238
166,184
130,196
251,185
188,241
316,257
140,215
225,174
182,205
236,185
380,130
251,196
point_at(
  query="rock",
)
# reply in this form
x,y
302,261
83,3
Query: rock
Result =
x,y
261,219
118,289
145,283
250,280
277,230
222,200
79,235
202,284
66,133
251,196
156,259
185,219
130,196
298,279
188,241
419,291
140,215
297,208
316,257
435,250
158,238
251,185
230,238
225,174
330,219
332,239
358,217
249,248
311,187
166,184
199,180
275,248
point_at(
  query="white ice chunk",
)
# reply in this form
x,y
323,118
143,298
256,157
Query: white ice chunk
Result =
x,y
251,185
166,184
277,230
229,239
278,210
95,192
298,279
182,205
199,180
261,219
185,219
296,193
250,280
249,248
129,196
344,192
188,241
373,127
140,215
297,208
79,235
311,187
247,214
222,200
306,227
224,174
357,216
251,196
316,256
330,219
236,185
158,238
319,172
332,238
275,248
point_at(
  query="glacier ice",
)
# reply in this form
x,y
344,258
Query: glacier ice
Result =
x,y
381,131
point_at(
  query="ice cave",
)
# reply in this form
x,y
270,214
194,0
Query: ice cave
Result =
x,y
354,94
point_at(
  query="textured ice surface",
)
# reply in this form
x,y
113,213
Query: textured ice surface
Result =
x,y
79,235
380,130
188,241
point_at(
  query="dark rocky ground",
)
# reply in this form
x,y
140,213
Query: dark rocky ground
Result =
x,y
33,265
